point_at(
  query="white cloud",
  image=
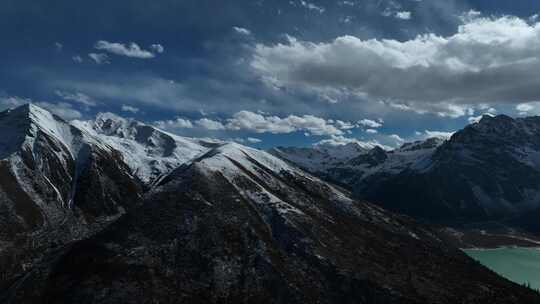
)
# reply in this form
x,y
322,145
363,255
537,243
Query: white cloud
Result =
x,y
99,58
475,119
404,15
132,50
529,108
371,131
524,108
178,123
131,109
438,134
62,109
428,74
76,97
158,48
210,124
253,140
370,123
258,123
348,3
344,125
262,123
442,109
397,138
241,30
249,140
339,140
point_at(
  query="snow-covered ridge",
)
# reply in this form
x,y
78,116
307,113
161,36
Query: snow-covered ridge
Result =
x,y
222,157
358,161
320,157
148,151
20,128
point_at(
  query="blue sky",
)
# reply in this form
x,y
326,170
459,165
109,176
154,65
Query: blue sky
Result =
x,y
270,73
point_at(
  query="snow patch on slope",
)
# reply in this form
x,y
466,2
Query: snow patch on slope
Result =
x,y
148,151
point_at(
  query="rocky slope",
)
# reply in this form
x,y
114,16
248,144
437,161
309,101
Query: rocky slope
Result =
x,y
57,183
237,225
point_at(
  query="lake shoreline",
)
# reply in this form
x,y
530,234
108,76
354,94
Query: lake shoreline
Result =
x,y
501,247
518,264
488,239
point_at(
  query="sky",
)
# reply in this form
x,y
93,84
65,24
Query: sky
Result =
x,y
276,73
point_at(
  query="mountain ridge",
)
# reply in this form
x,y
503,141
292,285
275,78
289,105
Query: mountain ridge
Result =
x,y
230,224
237,224
489,170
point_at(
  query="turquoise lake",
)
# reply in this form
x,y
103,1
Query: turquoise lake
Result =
x,y
521,265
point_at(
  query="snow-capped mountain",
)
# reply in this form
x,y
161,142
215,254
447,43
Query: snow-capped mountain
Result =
x,y
57,183
490,170
353,165
321,157
148,151
238,225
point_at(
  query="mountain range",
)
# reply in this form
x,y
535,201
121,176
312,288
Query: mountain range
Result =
x,y
488,171
114,210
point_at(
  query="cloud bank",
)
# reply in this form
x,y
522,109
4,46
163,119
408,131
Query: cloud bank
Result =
x,y
488,60
248,121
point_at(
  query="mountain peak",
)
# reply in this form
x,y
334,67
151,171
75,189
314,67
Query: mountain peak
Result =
x,y
497,119
27,111
111,124
22,124
226,154
149,151
232,160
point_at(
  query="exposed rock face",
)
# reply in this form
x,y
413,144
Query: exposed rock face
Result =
x,y
237,225
57,184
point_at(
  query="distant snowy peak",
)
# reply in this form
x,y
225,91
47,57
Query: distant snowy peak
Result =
x,y
149,152
346,151
351,165
320,157
429,143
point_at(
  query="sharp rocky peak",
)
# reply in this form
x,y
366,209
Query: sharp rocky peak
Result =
x,y
113,125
